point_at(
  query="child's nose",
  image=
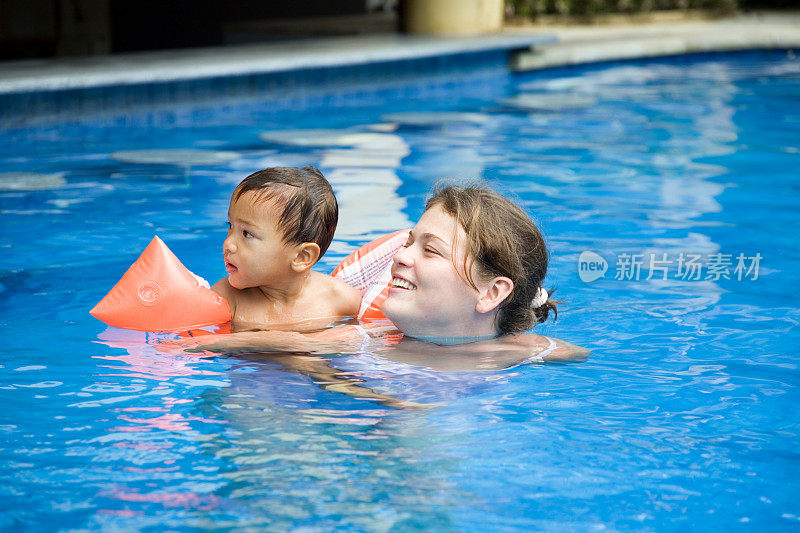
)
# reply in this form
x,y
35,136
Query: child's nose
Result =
x,y
229,246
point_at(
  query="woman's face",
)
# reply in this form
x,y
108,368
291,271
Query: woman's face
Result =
x,y
428,297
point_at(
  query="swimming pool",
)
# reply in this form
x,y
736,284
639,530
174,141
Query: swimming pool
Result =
x,y
684,417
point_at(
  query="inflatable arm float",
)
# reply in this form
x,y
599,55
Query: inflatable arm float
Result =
x,y
159,294
369,269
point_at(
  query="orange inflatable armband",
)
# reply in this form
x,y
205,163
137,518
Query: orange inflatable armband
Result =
x,y
158,293
369,269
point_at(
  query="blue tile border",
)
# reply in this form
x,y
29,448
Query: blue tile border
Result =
x,y
319,81
296,90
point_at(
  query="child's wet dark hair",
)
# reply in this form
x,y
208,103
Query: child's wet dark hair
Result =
x,y
305,199
502,240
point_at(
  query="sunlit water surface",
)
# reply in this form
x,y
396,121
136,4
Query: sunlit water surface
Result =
x,y
685,416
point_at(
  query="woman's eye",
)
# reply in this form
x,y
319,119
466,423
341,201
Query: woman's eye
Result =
x,y
407,244
432,250
246,234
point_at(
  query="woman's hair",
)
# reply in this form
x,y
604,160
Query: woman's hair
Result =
x,y
501,241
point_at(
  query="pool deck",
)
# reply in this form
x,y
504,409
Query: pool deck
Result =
x,y
199,63
534,47
589,44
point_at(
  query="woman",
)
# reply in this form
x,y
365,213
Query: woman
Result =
x,y
465,288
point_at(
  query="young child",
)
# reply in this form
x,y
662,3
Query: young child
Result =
x,y
281,221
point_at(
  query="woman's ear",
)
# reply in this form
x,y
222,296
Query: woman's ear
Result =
x,y
493,293
307,254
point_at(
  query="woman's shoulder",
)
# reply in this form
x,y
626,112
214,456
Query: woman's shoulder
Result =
x,y
540,348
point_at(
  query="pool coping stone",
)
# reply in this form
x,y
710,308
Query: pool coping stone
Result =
x,y
578,45
205,63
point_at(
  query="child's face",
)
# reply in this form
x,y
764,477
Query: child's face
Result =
x,y
254,253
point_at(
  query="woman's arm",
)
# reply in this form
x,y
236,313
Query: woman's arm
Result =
x,y
563,350
566,351
530,347
274,345
334,340
334,380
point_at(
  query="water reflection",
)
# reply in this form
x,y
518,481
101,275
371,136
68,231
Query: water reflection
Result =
x,y
687,408
359,165
179,157
30,181
436,119
299,454
145,421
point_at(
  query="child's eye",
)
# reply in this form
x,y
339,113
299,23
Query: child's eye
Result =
x,y
430,250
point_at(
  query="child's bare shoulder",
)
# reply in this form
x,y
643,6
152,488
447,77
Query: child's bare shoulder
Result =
x,y
338,294
224,289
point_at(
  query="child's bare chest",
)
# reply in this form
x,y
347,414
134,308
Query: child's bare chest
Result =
x,y
253,311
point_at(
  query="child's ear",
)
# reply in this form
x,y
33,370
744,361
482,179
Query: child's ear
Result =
x,y
493,293
307,254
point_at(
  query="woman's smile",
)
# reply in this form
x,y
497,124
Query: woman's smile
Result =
x,y
400,283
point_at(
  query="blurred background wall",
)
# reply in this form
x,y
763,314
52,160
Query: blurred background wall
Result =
x,y
46,28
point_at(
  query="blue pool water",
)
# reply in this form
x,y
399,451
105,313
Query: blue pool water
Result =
x,y
685,416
